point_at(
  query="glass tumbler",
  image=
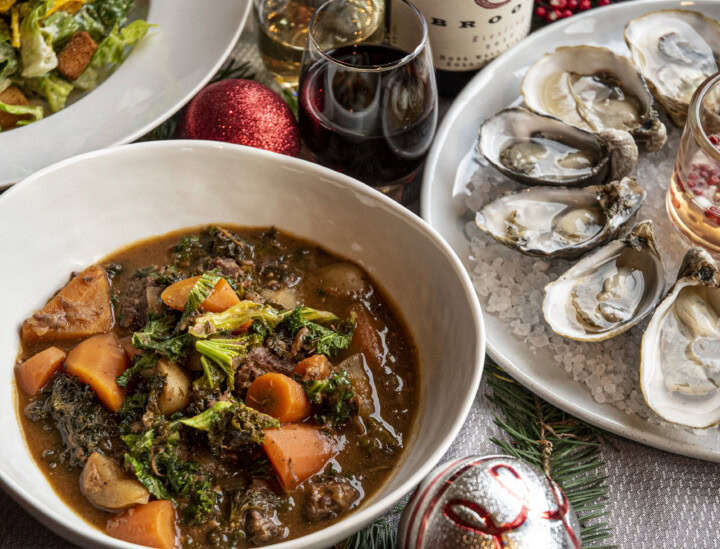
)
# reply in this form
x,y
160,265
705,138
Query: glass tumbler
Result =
x,y
283,27
368,107
693,197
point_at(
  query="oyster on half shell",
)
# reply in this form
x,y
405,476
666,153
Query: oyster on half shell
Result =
x,y
608,291
680,364
675,50
594,89
561,222
542,150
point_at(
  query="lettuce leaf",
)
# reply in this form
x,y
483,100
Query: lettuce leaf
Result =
x,y
36,48
53,88
111,51
62,25
8,60
34,110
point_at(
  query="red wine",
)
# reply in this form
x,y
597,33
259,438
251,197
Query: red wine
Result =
x,y
375,126
466,34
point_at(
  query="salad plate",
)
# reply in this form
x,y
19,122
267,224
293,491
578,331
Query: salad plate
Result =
x,y
445,195
179,54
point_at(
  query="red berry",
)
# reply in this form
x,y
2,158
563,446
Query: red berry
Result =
x,y
559,4
572,4
692,184
692,176
714,209
540,11
584,5
567,13
714,139
603,2
697,192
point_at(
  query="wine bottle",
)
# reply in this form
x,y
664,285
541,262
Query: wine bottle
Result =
x,y
467,34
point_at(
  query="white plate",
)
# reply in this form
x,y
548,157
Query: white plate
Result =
x,y
81,209
497,86
175,59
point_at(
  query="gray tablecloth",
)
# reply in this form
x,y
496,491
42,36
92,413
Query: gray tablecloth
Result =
x,y
657,500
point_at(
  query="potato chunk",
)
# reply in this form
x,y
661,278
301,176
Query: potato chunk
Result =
x,y
108,487
81,309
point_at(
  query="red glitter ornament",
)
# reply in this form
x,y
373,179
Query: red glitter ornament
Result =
x,y
242,112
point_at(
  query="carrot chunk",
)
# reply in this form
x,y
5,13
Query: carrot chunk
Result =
x,y
35,372
221,298
313,367
80,309
278,396
98,361
298,452
151,524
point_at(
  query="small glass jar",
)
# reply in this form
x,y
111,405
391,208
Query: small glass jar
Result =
x,y
693,198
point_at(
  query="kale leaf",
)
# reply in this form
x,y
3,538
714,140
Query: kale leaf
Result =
x,y
325,341
199,293
335,394
84,424
224,352
142,362
188,250
159,336
230,424
230,245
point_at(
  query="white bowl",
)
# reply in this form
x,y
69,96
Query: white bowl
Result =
x,y
74,213
177,58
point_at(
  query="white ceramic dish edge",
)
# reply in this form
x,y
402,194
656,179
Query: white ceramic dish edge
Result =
x,y
373,509
439,192
41,137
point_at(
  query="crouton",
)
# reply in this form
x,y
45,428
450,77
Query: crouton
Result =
x,y
75,56
80,309
12,96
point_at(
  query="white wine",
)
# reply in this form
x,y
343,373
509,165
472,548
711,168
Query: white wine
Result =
x,y
466,34
284,27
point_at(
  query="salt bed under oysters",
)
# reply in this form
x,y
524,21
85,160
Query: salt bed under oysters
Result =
x,y
511,286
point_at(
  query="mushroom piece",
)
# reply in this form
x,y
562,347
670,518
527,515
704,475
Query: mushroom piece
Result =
x,y
106,486
176,392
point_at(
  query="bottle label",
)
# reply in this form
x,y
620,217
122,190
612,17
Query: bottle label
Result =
x,y
467,34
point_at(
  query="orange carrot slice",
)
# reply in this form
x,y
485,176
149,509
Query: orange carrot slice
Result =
x,y
278,396
35,372
298,452
151,524
221,298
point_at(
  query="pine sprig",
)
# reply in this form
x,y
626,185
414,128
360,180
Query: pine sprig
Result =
x,y
564,447
379,535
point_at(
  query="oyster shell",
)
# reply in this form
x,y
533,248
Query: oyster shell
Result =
x,y
561,222
609,291
675,50
541,150
594,89
680,364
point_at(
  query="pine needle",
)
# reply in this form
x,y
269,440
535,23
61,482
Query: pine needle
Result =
x,y
567,449
379,535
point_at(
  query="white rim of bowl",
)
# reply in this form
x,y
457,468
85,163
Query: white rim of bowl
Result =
x,y
363,516
171,111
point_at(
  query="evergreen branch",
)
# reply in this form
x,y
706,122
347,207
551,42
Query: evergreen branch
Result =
x,y
565,448
379,535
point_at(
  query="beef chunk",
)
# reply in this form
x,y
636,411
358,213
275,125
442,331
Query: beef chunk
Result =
x,y
75,56
262,529
328,499
228,267
260,361
132,305
12,96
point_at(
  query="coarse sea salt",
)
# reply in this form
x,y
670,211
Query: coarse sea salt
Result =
x,y
511,286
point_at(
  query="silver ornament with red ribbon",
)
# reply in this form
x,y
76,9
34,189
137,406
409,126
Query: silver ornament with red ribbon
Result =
x,y
491,502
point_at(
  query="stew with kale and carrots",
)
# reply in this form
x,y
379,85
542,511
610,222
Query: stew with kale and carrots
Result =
x,y
217,387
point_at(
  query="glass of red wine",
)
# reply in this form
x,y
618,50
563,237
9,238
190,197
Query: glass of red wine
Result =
x,y
367,96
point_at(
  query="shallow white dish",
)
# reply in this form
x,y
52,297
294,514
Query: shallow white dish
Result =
x,y
163,72
444,181
76,212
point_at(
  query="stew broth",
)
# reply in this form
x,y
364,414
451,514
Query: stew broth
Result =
x,y
281,272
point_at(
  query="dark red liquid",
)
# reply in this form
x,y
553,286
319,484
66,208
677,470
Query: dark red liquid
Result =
x,y
374,126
